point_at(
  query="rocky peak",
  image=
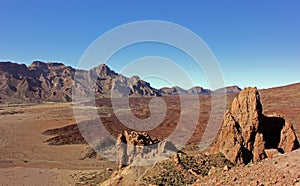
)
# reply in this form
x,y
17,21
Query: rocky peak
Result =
x,y
199,90
246,133
38,65
174,91
134,79
13,68
55,64
228,90
246,103
103,71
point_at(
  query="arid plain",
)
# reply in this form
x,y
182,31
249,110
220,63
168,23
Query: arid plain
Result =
x,y
27,158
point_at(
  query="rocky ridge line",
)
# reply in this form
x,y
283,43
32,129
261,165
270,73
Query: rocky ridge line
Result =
x,y
42,82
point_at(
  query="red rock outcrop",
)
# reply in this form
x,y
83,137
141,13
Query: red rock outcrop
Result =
x,y
132,145
246,132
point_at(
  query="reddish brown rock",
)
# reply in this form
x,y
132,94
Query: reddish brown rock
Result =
x,y
132,145
258,148
230,140
271,153
246,110
246,133
288,139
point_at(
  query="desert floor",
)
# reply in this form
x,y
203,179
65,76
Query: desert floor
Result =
x,y
25,158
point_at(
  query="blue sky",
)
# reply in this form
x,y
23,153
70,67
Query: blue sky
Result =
x,y
257,43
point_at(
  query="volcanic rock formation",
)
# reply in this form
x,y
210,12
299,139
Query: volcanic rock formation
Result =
x,y
246,132
134,145
54,82
50,81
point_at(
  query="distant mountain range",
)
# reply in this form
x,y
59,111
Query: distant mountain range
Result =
x,y
49,81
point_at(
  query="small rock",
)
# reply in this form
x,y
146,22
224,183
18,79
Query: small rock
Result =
x,y
206,153
212,171
226,168
193,172
271,153
109,169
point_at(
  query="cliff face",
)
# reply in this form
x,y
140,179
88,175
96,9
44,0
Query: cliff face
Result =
x,y
49,81
246,133
39,81
54,82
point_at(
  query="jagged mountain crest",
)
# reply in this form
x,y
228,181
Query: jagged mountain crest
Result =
x,y
228,90
53,81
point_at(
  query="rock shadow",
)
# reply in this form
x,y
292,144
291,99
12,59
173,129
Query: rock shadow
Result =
x,y
271,128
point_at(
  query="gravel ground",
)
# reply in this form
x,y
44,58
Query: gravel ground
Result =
x,y
281,170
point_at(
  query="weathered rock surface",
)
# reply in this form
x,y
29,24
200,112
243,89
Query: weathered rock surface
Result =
x,y
132,145
54,82
271,153
246,132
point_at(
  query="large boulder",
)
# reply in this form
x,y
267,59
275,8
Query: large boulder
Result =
x,y
246,133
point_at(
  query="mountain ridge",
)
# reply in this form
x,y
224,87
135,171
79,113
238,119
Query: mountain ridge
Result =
x,y
53,81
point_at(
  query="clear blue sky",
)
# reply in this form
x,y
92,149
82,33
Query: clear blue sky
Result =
x,y
257,43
